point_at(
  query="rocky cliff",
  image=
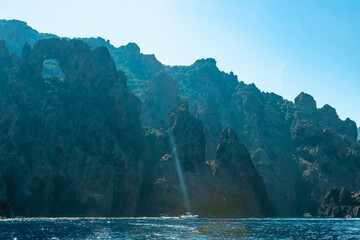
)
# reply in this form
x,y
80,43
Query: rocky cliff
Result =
x,y
70,144
299,150
229,186
340,203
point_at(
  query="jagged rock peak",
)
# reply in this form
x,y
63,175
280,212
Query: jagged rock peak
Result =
x,y
231,150
228,135
305,101
329,112
205,61
132,49
235,174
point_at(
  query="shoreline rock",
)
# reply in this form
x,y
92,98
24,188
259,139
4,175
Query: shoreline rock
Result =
x,y
5,209
340,203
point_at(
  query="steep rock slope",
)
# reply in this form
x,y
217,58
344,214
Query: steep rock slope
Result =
x,y
229,187
239,187
301,151
326,149
69,145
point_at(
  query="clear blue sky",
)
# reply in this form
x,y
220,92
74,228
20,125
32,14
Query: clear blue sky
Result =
x,y
282,46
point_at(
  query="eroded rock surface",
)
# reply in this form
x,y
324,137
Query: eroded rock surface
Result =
x,y
340,203
231,186
70,147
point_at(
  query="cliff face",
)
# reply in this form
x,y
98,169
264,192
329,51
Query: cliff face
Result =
x,y
300,150
71,144
340,203
231,186
137,66
326,149
240,190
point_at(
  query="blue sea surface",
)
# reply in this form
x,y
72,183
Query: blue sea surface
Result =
x,y
177,228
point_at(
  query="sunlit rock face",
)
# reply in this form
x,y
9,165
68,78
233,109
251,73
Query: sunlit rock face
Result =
x,y
69,147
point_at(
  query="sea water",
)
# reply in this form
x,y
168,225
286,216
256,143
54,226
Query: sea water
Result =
x,y
177,228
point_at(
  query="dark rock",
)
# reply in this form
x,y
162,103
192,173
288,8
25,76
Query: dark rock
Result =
x,y
181,137
233,189
240,189
5,209
305,102
299,150
340,203
71,147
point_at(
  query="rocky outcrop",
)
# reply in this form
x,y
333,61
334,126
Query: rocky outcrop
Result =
x,y
340,203
326,149
240,189
181,146
69,145
5,209
137,66
230,186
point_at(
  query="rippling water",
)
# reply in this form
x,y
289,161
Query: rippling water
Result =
x,y
175,228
